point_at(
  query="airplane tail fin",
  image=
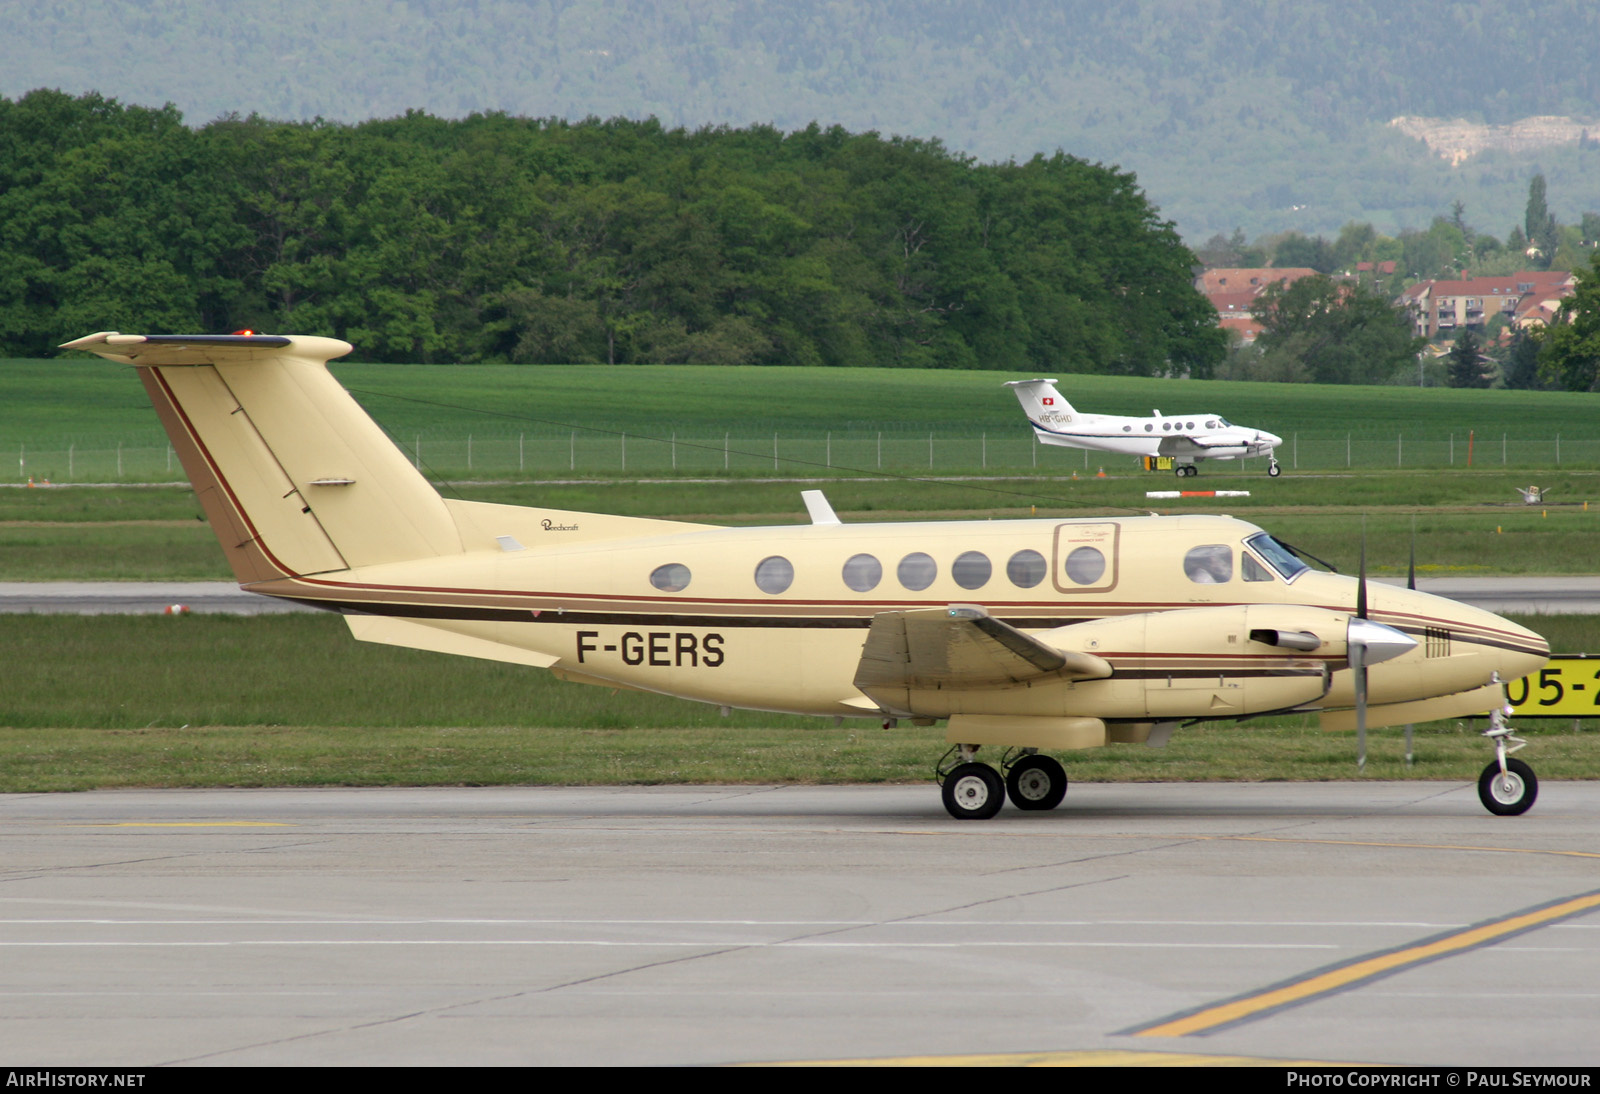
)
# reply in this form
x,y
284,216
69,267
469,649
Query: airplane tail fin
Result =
x,y
1039,397
294,476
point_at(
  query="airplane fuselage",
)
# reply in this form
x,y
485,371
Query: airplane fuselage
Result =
x,y
1197,436
1176,636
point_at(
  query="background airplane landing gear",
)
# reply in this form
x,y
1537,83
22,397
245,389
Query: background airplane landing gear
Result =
x,y
973,791
1510,794
1036,782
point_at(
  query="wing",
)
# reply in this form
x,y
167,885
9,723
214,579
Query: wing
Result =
x,y
958,647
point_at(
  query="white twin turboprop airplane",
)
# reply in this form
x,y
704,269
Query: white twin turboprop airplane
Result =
x,y
1026,635
1186,438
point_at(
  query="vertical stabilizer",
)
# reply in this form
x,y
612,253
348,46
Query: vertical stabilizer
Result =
x,y
1039,399
294,476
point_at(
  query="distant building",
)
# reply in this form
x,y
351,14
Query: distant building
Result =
x,y
1524,298
1233,291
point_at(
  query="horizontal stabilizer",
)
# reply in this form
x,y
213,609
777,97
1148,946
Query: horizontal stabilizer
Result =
x,y
389,631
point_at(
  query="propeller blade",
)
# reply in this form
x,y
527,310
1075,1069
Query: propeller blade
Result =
x,y
1368,643
1357,650
1411,571
1358,665
1361,587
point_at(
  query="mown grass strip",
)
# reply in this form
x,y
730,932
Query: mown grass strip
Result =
x,y
122,701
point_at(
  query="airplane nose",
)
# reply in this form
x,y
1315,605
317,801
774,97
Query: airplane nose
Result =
x,y
1528,658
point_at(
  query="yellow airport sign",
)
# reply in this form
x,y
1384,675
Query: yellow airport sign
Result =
x,y
1567,687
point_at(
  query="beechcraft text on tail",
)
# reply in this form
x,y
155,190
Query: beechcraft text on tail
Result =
x,y
1185,438
1023,636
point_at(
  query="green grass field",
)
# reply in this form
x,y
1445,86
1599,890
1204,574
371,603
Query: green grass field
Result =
x,y
83,419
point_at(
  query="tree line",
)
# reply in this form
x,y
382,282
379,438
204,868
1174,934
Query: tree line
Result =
x,y
499,238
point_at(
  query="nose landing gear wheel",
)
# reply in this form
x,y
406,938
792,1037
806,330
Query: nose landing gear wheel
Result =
x,y
973,792
1273,470
1510,794
1036,782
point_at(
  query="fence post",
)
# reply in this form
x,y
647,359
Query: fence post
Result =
x,y
829,449
1558,450
985,436
572,451
1347,450
169,458
624,451
1296,450
774,450
930,449
674,449
520,461
69,460
416,453
1452,449
1502,450
880,450
1399,449
119,457
725,451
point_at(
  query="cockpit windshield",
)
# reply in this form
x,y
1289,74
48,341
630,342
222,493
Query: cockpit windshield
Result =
x,y
1279,557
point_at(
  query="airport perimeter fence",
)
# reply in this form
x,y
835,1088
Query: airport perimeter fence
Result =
x,y
558,454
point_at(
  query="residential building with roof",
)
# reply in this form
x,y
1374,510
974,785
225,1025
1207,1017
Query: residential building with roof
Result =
x,y
1233,291
1523,298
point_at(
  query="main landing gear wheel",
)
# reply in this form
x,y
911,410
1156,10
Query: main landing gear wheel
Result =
x,y
973,791
1510,794
1274,470
1036,782
1186,470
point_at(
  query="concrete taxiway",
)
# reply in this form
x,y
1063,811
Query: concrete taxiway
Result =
x,y
674,925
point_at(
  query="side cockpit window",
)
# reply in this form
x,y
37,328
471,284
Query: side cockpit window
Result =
x,y
1210,564
1251,570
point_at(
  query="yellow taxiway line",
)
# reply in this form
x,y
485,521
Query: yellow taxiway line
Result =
x,y
1325,981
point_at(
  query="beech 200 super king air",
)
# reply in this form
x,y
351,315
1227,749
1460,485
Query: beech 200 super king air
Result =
x,y
1025,636
1186,438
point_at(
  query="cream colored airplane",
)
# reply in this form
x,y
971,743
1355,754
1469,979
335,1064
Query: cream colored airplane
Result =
x,y
1025,636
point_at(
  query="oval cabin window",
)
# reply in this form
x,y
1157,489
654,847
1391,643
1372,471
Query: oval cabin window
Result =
x,y
917,571
1086,565
972,570
862,573
1026,569
671,578
774,574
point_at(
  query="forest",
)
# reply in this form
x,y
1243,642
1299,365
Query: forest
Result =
x,y
500,238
